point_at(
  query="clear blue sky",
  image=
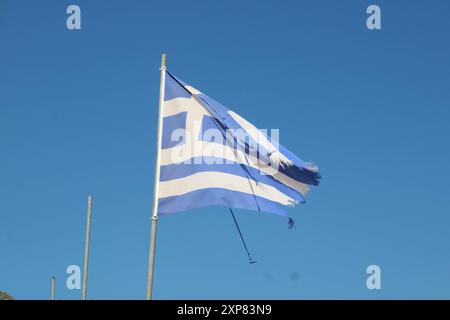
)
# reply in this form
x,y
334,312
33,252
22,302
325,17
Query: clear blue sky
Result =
x,y
78,115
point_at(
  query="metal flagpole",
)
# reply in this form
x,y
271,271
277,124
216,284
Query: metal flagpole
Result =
x,y
53,288
86,250
151,258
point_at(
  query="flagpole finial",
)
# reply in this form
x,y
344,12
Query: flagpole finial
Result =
x,y
163,60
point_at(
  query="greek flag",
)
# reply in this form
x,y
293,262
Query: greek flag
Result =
x,y
212,156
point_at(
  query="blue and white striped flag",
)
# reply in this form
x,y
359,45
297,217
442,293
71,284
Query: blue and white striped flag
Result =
x,y
211,156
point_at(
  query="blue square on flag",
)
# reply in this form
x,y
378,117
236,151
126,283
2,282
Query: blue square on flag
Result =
x,y
174,130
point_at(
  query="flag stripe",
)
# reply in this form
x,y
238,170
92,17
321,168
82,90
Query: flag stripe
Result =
x,y
205,180
178,105
185,152
217,196
213,164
